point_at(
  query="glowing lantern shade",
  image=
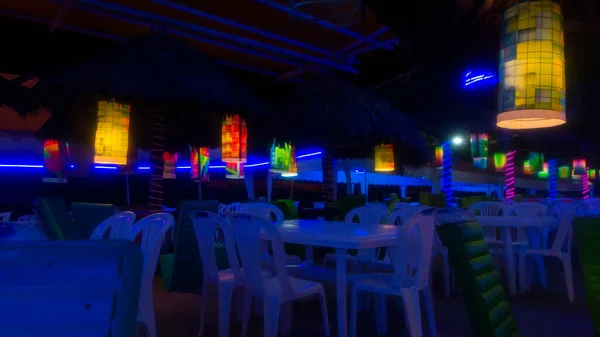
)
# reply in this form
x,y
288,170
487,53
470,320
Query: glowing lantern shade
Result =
x,y
283,160
384,158
579,166
439,156
543,174
592,174
234,170
234,138
527,168
564,172
532,66
112,134
54,165
480,163
536,161
199,162
170,162
479,150
499,161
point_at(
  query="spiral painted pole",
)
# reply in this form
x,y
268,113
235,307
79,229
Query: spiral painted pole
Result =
x,y
447,172
552,179
509,175
585,184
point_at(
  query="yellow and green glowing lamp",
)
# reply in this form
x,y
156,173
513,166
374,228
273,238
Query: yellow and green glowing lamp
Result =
x,y
283,160
384,158
112,134
532,66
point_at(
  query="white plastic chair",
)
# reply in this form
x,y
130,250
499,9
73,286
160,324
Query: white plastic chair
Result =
x,y
30,220
153,229
11,231
116,224
275,291
5,216
561,249
489,208
271,213
372,214
411,259
223,208
227,280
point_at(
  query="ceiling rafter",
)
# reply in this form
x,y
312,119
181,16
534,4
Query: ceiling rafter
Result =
x,y
60,14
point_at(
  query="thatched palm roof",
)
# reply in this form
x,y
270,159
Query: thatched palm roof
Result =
x,y
333,111
149,71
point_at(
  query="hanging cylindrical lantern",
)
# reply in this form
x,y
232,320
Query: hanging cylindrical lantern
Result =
x,y
536,161
112,134
170,163
579,166
384,158
234,170
479,145
532,66
509,175
439,156
592,174
234,137
199,162
55,163
283,160
499,161
527,168
543,174
564,172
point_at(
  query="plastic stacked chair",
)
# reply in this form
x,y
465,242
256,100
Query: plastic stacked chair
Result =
x,y
482,294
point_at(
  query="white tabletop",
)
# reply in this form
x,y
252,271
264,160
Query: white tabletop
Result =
x,y
515,221
337,234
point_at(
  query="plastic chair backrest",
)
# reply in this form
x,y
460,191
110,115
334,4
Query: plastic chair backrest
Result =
x,y
562,236
368,215
527,209
223,207
205,225
11,231
153,229
400,215
414,250
116,224
488,208
249,230
263,210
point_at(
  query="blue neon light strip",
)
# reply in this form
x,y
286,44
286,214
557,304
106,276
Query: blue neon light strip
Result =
x,y
447,172
469,79
144,168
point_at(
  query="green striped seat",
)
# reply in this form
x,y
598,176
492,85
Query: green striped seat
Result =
x,y
481,291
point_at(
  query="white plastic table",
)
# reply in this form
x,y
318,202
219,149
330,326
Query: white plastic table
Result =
x,y
506,223
341,236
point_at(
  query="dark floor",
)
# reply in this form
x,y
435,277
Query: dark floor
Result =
x,y
541,313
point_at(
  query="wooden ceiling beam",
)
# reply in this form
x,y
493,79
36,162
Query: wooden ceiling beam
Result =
x,y
60,14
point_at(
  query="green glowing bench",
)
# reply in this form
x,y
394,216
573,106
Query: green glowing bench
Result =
x,y
587,239
481,291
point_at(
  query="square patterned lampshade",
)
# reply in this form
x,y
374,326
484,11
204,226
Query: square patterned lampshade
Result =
x,y
384,158
499,161
564,172
592,174
536,161
199,162
234,138
439,156
579,166
527,168
112,134
532,66
55,155
234,170
544,172
283,160
479,145
170,163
